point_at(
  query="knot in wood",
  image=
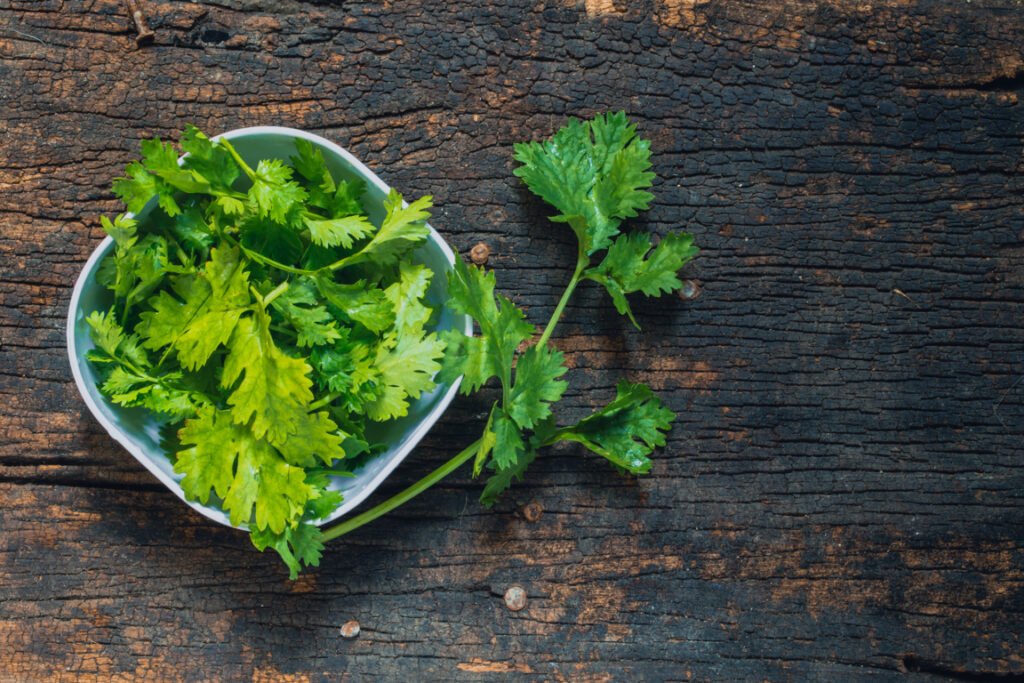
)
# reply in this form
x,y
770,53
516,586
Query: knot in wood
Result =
x,y
479,253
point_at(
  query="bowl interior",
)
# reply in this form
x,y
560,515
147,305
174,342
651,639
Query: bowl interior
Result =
x,y
138,431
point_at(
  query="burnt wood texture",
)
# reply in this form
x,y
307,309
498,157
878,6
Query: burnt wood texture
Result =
x,y
842,496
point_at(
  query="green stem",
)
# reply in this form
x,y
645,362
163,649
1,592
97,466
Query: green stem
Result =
x,y
267,261
326,400
274,293
402,497
238,159
581,264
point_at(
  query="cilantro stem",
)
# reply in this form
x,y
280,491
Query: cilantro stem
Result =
x,y
323,401
255,256
238,159
402,497
274,293
581,264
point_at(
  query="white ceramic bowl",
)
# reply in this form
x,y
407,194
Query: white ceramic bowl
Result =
x,y
137,430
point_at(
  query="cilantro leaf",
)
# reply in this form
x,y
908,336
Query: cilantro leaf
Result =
x,y
300,308
122,230
347,368
275,194
406,297
502,479
631,266
206,314
274,391
316,435
407,366
508,442
368,306
138,186
298,546
270,239
208,159
403,229
487,441
537,385
503,328
332,232
626,430
594,172
255,483
192,229
161,160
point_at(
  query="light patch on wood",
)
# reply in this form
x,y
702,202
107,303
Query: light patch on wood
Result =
x,y
677,13
271,675
483,666
599,8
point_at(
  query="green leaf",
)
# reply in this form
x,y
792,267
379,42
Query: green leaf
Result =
x,y
468,357
407,366
112,340
275,194
175,403
625,431
348,369
536,386
366,305
191,228
487,442
631,266
298,546
270,239
326,500
208,159
503,328
299,306
406,297
594,172
255,483
316,436
508,442
331,232
402,230
162,161
346,198
205,315
502,479
274,391
138,186
122,230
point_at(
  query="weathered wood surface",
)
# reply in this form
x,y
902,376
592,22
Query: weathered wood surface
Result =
x,y
841,498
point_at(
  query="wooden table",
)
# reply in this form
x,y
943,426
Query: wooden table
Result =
x,y
842,497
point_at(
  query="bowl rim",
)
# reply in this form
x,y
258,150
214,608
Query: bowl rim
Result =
x,y
405,447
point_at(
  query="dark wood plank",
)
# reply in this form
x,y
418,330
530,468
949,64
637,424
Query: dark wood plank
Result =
x,y
843,495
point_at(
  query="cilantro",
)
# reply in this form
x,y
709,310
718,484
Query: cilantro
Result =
x,y
632,266
264,315
233,324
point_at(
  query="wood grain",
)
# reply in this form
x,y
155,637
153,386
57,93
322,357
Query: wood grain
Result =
x,y
842,497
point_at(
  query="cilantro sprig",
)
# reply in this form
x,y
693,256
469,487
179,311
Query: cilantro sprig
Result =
x,y
263,316
596,175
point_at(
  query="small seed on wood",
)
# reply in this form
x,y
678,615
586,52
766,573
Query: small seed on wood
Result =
x,y
515,598
350,629
532,511
690,290
143,33
480,253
